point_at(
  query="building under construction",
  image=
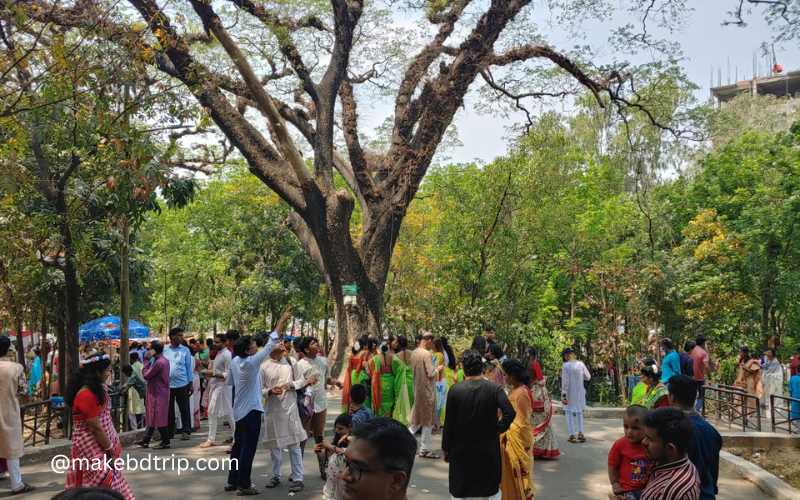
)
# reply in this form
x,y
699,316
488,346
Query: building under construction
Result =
x,y
777,84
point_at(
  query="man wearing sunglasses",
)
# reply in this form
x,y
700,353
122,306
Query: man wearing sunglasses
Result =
x,y
378,461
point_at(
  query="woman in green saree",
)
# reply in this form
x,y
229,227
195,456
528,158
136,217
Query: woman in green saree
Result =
x,y
657,395
403,384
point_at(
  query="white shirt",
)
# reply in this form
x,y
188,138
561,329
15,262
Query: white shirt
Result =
x,y
245,376
219,399
319,367
281,425
573,374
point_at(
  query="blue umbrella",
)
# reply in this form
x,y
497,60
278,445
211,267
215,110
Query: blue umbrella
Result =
x,y
108,328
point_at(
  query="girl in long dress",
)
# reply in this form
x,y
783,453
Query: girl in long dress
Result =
x,y
545,443
748,376
772,378
516,443
93,435
449,373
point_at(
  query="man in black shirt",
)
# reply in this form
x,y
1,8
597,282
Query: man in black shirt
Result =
x,y
471,431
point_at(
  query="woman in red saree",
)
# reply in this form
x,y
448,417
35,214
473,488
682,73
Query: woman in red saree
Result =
x,y
545,444
357,371
93,435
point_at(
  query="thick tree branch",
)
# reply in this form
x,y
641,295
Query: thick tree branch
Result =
x,y
405,118
346,14
282,29
303,233
284,141
441,98
358,160
263,159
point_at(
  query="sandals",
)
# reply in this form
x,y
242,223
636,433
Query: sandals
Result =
x,y
26,488
429,454
581,438
572,439
296,486
273,483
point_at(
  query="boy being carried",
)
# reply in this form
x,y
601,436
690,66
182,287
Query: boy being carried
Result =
x,y
627,460
359,413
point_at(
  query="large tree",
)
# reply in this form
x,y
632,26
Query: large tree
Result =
x,y
257,55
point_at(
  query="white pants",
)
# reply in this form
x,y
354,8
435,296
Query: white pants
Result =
x,y
574,421
212,426
133,422
426,443
295,456
14,473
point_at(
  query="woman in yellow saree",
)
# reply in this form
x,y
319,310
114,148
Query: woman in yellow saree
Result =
x,y
516,444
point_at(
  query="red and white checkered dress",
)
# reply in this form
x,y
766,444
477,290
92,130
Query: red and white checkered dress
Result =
x,y
85,446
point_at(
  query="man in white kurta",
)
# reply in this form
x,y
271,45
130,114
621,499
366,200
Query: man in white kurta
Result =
x,y
220,394
12,383
573,394
282,427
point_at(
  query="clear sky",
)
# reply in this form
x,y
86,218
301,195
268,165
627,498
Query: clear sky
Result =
x,y
706,45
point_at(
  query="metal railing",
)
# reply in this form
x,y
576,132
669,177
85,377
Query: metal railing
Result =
x,y
599,390
38,419
780,412
733,406
49,418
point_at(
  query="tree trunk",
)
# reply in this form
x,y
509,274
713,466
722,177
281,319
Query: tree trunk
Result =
x,y
769,283
124,294
72,291
62,369
20,340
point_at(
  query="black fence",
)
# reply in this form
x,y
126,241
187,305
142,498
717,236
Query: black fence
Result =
x,y
781,416
733,406
52,419
43,420
600,390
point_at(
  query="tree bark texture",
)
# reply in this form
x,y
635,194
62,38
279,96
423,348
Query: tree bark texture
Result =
x,y
124,293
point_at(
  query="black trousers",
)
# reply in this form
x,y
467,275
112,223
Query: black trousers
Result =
x,y
162,431
245,442
181,395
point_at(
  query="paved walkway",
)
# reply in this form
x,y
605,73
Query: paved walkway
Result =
x,y
579,474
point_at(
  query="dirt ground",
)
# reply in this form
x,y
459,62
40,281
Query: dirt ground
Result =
x,y
784,462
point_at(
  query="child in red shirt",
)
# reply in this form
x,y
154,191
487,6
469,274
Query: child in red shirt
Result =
x,y
628,465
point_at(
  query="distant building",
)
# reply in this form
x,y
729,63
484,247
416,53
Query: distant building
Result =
x,y
778,85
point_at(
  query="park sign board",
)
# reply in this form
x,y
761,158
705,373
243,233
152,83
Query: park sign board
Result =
x,y
350,292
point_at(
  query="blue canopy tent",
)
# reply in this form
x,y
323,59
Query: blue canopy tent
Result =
x,y
108,328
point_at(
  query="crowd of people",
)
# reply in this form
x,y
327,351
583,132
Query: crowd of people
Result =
x,y
494,413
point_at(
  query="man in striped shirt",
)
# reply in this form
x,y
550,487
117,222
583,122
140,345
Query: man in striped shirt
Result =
x,y
667,434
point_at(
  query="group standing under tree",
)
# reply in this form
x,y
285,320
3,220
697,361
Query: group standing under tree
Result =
x,y
494,412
